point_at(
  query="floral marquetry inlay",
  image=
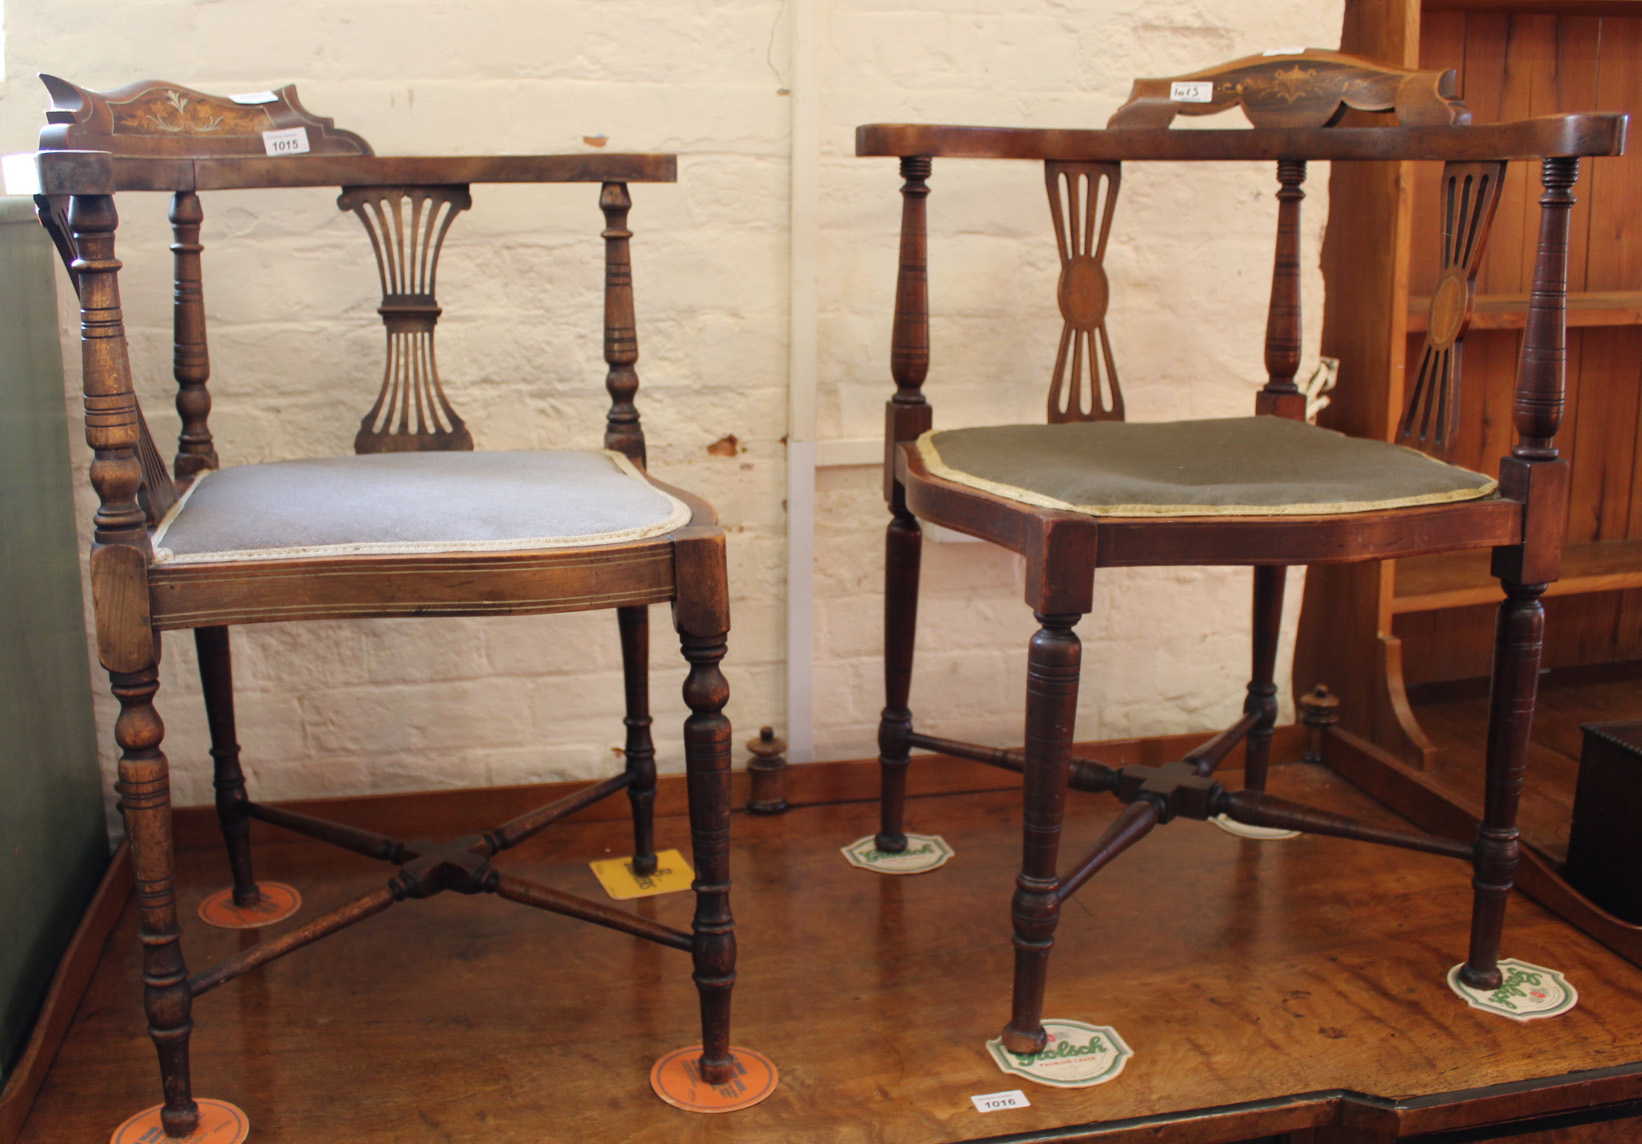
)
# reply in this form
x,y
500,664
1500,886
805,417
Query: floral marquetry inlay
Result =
x,y
1296,88
173,112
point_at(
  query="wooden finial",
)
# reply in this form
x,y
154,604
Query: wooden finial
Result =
x,y
766,767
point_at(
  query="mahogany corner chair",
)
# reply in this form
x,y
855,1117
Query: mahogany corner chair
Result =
x,y
1088,490
415,524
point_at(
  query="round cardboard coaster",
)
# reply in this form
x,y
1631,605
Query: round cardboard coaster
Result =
x,y
1078,1055
1526,992
924,852
677,1081
1244,830
220,1123
278,902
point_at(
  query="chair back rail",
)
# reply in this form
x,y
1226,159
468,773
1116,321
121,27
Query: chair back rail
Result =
x,y
162,136
1296,102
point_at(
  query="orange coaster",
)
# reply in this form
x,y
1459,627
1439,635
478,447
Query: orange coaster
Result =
x,y
278,902
220,1123
676,1081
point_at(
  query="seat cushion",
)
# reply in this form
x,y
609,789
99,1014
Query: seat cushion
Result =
x,y
1239,466
414,503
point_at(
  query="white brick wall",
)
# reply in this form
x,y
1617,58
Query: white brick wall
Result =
x,y
333,708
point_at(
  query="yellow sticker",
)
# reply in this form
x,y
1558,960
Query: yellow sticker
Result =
x,y
616,875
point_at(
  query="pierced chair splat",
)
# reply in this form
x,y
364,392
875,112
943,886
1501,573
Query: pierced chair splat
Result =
x,y
1088,490
415,524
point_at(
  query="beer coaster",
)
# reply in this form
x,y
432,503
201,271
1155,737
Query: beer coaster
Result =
x,y
677,1081
924,852
1525,992
220,1123
616,875
276,903
1244,830
1077,1056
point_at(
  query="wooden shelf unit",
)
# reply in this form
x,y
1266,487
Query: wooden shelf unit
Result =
x,y
1510,311
1430,619
1461,579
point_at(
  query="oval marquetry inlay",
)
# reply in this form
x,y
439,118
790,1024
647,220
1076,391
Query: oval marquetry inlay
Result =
x,y
1083,293
1448,310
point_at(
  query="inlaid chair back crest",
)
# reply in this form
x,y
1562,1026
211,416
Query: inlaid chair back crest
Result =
x,y
1290,89
407,224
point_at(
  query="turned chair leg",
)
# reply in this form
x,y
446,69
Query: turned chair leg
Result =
x,y
640,750
145,802
903,543
1518,634
217,681
1052,667
1269,581
707,760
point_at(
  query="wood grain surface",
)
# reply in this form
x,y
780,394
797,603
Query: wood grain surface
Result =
x,y
1259,984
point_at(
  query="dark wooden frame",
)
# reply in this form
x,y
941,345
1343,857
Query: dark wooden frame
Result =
x,y
1522,523
134,599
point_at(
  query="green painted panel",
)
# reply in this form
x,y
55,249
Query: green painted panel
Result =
x,y
53,841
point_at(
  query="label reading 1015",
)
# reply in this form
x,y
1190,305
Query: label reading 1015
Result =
x,y
290,141
998,1101
1192,91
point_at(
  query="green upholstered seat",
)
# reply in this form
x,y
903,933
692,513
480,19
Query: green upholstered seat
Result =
x,y
1236,466
405,503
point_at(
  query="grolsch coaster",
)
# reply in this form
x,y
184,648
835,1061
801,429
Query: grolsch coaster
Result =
x,y
1244,830
616,875
1076,1056
924,852
220,1123
677,1081
1525,991
275,902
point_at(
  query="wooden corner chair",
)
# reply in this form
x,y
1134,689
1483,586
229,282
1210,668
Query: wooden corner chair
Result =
x,y
416,523
1088,490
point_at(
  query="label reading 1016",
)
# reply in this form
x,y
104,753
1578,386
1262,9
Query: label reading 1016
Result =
x,y
290,141
998,1101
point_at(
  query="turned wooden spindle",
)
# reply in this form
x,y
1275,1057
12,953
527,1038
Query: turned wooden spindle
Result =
x,y
1519,635
903,557
127,647
766,767
707,757
191,359
1053,663
623,433
111,418
1281,397
217,681
906,415
1537,405
145,802
1319,710
1269,581
640,749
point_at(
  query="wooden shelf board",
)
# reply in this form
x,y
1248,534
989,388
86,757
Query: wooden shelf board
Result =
x,y
1510,311
1459,579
